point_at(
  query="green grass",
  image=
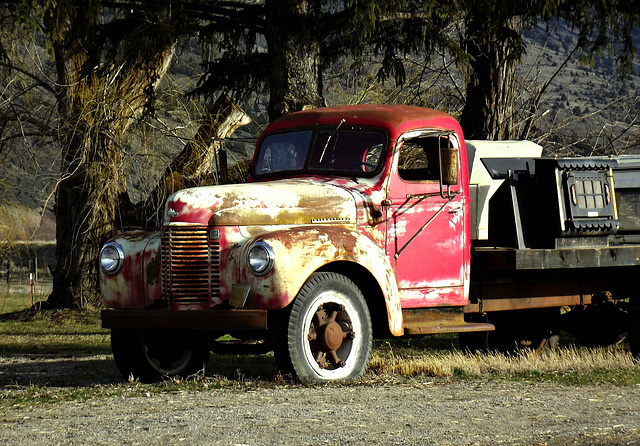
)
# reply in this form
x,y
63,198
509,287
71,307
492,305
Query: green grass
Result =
x,y
19,297
14,304
53,332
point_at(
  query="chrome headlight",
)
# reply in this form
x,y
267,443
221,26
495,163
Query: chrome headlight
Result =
x,y
111,258
260,258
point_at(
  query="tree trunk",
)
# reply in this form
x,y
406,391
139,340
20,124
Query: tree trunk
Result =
x,y
95,111
193,165
489,111
87,204
296,78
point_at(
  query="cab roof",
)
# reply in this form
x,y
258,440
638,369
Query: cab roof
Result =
x,y
395,119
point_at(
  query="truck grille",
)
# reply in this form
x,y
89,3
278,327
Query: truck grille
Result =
x,y
190,265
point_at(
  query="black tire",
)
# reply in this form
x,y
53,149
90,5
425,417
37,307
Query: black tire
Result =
x,y
634,338
325,335
148,355
598,325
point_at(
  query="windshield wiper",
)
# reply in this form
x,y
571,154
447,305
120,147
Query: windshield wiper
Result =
x,y
342,121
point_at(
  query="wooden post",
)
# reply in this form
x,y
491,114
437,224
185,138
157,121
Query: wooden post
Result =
x,y
8,273
224,168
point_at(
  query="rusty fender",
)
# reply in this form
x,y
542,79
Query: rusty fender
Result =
x,y
300,251
138,283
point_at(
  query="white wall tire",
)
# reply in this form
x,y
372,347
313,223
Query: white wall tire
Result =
x,y
328,331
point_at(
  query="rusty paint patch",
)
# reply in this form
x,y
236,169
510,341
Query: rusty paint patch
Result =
x,y
301,250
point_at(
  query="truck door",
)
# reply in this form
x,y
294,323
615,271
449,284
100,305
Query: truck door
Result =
x,y
425,223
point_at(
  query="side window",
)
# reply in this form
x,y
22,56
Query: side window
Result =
x,y
419,159
372,158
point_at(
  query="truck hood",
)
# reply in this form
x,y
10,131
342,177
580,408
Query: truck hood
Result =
x,y
284,202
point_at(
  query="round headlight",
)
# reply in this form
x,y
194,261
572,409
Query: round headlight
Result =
x,y
260,258
111,258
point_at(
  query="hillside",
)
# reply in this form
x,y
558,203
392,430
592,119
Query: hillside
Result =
x,y
588,110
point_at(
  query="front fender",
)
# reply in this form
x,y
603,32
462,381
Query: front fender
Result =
x,y
300,251
138,283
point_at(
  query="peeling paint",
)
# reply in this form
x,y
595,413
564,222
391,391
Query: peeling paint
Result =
x,y
432,297
310,221
299,251
138,283
285,202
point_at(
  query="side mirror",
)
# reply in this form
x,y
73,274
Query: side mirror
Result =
x,y
449,165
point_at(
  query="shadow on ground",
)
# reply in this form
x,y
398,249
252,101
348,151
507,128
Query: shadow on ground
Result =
x,y
66,370
57,371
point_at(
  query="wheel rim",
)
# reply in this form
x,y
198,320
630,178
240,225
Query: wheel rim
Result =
x,y
331,333
166,358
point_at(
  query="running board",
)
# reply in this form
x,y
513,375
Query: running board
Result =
x,y
421,321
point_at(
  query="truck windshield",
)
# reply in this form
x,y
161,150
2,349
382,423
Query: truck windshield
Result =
x,y
350,152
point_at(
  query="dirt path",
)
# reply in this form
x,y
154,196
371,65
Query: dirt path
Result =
x,y
420,412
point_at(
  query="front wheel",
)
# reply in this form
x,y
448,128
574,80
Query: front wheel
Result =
x,y
150,355
326,335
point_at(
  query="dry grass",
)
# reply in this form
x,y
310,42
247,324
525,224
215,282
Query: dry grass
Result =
x,y
21,223
76,332
612,364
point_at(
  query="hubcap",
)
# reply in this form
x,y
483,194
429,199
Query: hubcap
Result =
x,y
331,336
328,330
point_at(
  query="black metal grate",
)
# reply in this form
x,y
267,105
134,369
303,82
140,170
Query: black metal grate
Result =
x,y
589,193
190,265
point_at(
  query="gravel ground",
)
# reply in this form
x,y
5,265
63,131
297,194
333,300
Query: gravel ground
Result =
x,y
423,411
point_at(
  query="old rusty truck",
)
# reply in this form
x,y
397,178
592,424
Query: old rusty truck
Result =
x,y
371,222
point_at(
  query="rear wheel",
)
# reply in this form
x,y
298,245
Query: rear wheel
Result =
x,y
326,334
149,355
515,330
634,337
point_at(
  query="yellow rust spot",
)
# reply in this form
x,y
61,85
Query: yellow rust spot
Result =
x,y
268,217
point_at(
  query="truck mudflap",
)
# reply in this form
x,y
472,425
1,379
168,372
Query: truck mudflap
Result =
x,y
215,320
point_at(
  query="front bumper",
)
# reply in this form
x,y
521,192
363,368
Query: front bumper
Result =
x,y
215,320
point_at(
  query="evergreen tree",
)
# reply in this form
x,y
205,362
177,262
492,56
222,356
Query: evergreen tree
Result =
x,y
283,46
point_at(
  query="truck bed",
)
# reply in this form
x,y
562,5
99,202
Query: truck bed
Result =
x,y
504,279
492,258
